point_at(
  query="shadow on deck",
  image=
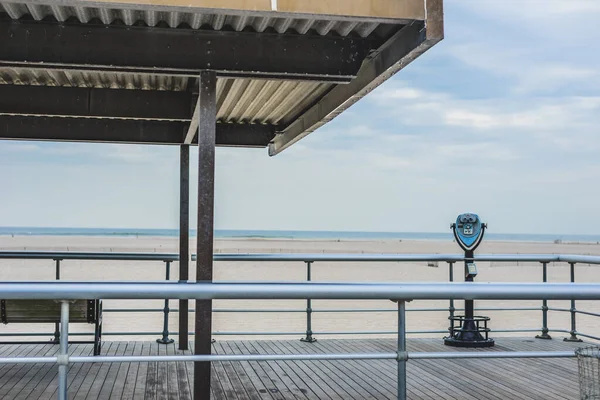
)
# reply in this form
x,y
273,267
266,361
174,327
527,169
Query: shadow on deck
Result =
x,y
427,379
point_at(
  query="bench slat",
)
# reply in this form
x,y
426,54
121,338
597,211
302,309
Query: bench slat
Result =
x,y
39,311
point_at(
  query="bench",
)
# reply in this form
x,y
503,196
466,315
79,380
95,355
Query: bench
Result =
x,y
48,311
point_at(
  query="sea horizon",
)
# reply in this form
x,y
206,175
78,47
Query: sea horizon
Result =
x,y
292,234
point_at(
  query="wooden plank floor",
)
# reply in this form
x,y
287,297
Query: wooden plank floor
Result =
x,y
435,379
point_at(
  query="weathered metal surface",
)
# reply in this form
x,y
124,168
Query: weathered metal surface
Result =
x,y
204,237
22,127
218,16
91,102
181,51
184,239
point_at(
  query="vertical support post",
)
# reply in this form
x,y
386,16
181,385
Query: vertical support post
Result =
x,y
63,358
165,333
451,308
184,240
544,334
309,337
56,339
573,331
469,304
402,354
207,121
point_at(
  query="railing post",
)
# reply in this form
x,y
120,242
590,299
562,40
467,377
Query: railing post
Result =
x,y
56,339
451,308
402,354
573,332
63,357
544,334
165,334
309,337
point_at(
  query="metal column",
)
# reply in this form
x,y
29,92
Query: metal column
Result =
x,y
204,260
402,354
56,339
184,240
165,333
309,337
573,332
545,330
451,307
63,362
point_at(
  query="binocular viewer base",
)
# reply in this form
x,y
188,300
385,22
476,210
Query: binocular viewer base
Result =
x,y
469,332
454,342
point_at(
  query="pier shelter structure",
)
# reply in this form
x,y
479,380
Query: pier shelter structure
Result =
x,y
245,73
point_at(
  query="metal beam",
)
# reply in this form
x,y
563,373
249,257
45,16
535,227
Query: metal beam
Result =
x,y
181,51
90,130
207,118
193,128
24,127
60,290
184,239
405,46
92,102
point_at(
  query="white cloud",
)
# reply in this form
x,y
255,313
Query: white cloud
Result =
x,y
529,70
533,114
537,46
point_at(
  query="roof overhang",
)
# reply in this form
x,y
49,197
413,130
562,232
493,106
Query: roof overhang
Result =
x,y
126,71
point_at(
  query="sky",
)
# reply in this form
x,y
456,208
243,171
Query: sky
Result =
x,y
501,118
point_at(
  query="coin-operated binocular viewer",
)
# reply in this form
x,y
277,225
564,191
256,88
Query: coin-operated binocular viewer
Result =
x,y
469,330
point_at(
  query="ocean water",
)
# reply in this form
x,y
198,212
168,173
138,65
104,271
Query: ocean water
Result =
x,y
289,234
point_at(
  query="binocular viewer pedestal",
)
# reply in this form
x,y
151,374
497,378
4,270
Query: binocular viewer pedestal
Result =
x,y
468,330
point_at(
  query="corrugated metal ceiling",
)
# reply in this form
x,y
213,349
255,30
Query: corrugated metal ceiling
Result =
x,y
238,100
174,19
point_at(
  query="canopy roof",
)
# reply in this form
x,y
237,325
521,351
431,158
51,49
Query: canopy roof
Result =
x,y
127,71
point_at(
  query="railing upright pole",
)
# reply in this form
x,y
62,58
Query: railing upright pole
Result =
x,y
402,354
573,332
451,308
165,333
544,334
309,337
63,358
56,339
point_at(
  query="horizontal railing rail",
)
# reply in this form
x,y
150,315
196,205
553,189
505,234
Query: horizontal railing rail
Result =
x,y
351,257
303,257
60,290
73,255
309,259
297,357
400,292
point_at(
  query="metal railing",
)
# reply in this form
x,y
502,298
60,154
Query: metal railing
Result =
x,y
309,260
57,257
450,259
399,292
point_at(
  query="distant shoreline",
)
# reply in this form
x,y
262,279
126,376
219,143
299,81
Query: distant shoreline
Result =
x,y
271,235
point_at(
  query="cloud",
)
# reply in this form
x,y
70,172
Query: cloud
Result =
x,y
84,153
539,47
529,70
534,114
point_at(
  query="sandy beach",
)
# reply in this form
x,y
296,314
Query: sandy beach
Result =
x,y
294,322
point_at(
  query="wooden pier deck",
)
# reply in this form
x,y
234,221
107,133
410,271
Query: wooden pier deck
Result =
x,y
432,379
